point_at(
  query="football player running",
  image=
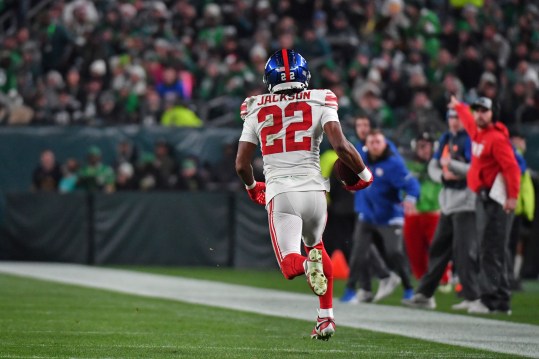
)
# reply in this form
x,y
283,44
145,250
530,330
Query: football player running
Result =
x,y
288,123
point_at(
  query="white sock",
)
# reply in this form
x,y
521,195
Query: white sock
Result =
x,y
324,313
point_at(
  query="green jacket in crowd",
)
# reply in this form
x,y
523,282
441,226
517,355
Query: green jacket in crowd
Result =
x,y
96,177
428,197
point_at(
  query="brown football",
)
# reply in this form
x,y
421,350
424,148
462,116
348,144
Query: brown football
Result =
x,y
344,173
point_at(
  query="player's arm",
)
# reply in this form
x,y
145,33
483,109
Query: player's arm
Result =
x,y
332,127
348,154
256,190
345,150
244,157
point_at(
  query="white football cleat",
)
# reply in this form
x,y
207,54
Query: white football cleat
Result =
x,y
420,301
478,307
315,272
387,286
464,305
324,328
364,296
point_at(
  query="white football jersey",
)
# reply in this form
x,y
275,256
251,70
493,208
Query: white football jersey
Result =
x,y
289,129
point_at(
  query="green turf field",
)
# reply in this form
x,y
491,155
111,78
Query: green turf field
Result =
x,y
40,319
525,304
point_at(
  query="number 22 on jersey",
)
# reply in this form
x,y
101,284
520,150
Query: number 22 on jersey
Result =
x,y
269,132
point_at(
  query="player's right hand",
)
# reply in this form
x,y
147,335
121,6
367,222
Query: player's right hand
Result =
x,y
359,185
258,193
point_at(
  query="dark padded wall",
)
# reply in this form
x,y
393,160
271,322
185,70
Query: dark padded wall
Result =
x,y
45,227
252,248
162,228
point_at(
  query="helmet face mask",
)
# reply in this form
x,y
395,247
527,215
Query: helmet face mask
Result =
x,y
286,70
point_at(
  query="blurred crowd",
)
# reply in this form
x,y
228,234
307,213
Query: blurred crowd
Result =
x,y
135,170
191,63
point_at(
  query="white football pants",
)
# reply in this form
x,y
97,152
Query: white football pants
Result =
x,y
295,217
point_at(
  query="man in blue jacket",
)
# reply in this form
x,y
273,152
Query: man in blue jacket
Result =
x,y
388,280
362,126
381,210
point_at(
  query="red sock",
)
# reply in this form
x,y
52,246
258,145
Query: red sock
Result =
x,y
326,300
292,265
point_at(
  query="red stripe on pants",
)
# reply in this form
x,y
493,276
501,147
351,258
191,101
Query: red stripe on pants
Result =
x,y
273,235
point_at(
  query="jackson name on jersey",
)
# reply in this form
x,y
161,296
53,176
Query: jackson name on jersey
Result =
x,y
289,129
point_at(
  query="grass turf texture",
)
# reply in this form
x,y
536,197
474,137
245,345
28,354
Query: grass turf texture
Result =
x,y
41,319
525,304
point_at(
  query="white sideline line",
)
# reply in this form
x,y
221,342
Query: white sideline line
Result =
x,y
466,331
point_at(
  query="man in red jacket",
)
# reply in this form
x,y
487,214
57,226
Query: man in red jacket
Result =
x,y
495,176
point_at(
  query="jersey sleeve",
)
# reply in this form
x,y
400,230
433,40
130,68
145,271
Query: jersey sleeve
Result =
x,y
329,110
245,107
331,100
243,110
328,115
248,134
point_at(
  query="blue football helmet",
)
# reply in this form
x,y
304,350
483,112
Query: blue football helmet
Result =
x,y
286,70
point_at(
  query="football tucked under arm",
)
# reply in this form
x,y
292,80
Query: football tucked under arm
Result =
x,y
344,173
355,177
352,181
